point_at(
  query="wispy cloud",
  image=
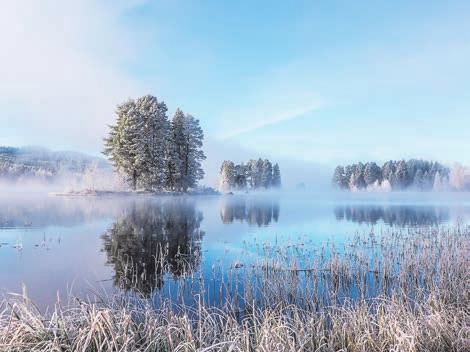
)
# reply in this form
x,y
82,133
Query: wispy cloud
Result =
x,y
262,118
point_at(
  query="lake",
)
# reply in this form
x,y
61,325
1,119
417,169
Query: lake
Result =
x,y
55,245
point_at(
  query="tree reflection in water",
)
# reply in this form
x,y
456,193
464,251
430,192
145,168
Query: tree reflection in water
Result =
x,y
260,212
398,215
152,238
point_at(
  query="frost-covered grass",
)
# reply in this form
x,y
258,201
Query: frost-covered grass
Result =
x,y
418,300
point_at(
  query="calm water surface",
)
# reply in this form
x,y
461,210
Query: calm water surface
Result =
x,y
52,245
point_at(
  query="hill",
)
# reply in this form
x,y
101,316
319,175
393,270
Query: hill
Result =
x,y
44,164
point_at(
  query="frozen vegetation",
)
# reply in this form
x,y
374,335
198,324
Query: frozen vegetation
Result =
x,y
417,175
399,290
34,168
152,152
17,164
255,174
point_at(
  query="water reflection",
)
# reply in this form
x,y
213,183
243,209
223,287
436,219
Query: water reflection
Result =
x,y
151,239
260,212
398,215
40,212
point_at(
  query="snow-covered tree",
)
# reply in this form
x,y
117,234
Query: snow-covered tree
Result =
x,y
266,174
151,146
121,145
339,178
401,175
227,176
419,181
255,174
372,173
240,176
152,152
388,172
276,182
192,154
459,178
356,181
251,173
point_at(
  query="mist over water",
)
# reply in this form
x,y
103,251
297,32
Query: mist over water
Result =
x,y
146,244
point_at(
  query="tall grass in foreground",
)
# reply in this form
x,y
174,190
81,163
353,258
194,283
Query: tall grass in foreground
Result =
x,y
405,290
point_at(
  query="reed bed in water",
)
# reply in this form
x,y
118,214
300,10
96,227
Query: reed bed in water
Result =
x,y
401,290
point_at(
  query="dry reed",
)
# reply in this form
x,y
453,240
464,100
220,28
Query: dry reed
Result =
x,y
401,290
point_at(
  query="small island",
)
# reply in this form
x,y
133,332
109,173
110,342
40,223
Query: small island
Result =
x,y
152,152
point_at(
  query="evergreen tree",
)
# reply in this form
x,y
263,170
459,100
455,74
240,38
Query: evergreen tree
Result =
x,y
173,163
150,151
258,174
178,127
255,174
151,146
240,176
357,178
266,174
419,181
121,146
227,176
422,175
251,173
372,173
193,155
276,181
401,175
339,178
388,172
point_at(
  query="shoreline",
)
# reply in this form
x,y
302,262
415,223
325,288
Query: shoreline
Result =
x,y
99,193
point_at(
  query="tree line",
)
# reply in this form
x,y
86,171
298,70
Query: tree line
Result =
x,y
255,174
393,175
153,152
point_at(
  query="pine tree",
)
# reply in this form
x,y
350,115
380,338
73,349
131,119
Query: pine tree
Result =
x,y
372,173
178,150
401,175
227,176
276,180
257,174
121,146
240,176
266,174
193,154
419,181
251,173
357,177
152,144
388,172
341,178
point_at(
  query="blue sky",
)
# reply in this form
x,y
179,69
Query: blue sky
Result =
x,y
314,81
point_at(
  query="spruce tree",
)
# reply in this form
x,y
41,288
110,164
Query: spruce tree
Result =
x,y
122,146
276,180
152,142
188,138
227,176
267,174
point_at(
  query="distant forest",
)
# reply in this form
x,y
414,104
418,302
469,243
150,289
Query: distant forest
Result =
x,y
393,175
255,174
43,164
